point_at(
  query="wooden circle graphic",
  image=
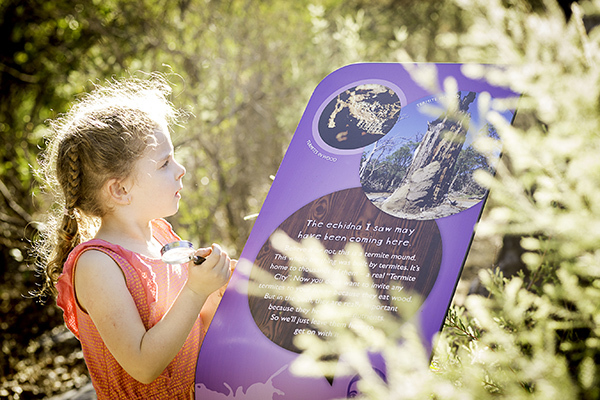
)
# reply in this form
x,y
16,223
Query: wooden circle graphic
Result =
x,y
397,251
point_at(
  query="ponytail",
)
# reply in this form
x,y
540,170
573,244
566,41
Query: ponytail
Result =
x,y
68,238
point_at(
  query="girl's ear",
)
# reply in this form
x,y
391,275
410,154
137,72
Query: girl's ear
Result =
x,y
117,191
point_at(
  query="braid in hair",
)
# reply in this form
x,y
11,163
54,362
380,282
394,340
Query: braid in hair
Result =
x,y
68,235
70,229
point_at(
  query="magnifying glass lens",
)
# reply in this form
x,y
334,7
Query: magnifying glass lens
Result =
x,y
179,252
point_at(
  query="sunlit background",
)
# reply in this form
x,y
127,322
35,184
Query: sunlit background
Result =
x,y
245,69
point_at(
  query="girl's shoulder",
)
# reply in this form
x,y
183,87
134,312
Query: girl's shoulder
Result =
x,y
133,266
100,245
126,259
97,252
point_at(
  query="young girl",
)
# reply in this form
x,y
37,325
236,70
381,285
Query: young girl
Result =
x,y
140,321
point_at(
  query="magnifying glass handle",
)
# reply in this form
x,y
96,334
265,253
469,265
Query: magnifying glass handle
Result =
x,y
199,260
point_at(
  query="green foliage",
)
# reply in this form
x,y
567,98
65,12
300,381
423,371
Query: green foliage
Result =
x,y
247,68
239,66
536,336
515,344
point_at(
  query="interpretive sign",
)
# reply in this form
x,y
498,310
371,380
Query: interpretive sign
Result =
x,y
373,163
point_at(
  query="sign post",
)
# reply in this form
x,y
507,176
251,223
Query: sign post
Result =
x,y
370,163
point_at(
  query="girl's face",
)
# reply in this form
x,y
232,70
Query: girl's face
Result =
x,y
156,184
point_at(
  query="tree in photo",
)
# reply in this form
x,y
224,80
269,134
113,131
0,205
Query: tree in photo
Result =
x,y
427,182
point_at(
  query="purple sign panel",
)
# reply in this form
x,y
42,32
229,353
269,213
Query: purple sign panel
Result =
x,y
370,163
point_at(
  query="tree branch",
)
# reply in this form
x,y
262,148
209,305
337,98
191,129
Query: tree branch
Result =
x,y
13,204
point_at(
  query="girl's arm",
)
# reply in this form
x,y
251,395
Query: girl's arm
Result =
x,y
101,291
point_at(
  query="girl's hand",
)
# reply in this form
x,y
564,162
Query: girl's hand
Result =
x,y
210,275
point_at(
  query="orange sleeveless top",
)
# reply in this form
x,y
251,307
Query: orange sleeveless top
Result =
x,y
154,286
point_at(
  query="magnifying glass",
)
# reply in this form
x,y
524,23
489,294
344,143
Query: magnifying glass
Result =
x,y
180,252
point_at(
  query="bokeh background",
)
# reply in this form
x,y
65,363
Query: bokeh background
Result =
x,y
245,69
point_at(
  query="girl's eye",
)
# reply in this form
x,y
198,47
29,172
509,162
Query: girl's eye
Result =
x,y
166,163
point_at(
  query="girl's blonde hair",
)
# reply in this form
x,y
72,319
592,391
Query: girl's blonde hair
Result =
x,y
101,137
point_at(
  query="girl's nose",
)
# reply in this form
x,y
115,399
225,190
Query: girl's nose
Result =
x,y
182,171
